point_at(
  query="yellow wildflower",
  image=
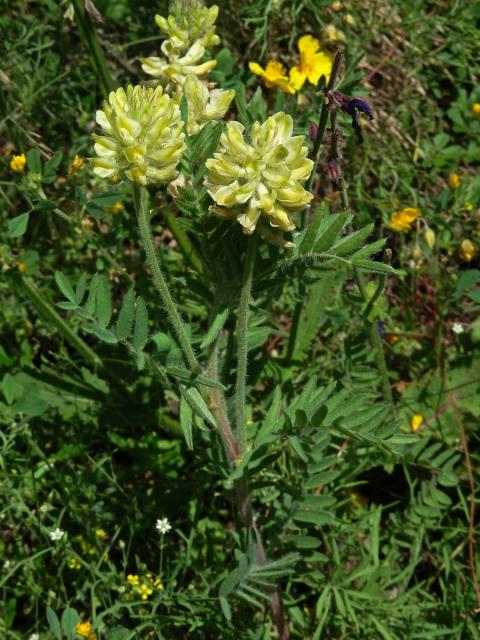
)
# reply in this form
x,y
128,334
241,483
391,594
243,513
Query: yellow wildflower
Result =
x,y
416,421
274,75
468,207
467,251
87,222
430,237
204,105
403,220
349,19
84,630
476,108
144,591
177,67
21,266
454,181
118,206
336,6
77,164
313,63
330,32
115,179
17,163
158,584
263,177
73,563
133,580
101,533
184,27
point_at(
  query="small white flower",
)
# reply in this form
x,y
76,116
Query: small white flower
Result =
x,y
7,564
457,328
56,535
162,525
34,636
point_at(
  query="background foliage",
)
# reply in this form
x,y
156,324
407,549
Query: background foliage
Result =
x,y
368,526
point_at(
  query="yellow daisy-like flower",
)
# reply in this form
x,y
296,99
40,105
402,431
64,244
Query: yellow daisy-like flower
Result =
x,y
314,63
476,108
17,163
142,136
84,630
264,177
467,251
454,181
404,219
416,421
274,75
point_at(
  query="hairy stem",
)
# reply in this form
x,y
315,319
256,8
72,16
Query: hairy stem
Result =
x,y
140,199
242,343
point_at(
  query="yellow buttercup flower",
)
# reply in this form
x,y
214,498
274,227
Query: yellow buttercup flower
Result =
x,y
454,181
416,421
404,219
204,105
274,75
188,23
133,580
21,266
467,251
142,136
17,163
144,591
84,630
101,534
314,63
73,563
264,177
476,108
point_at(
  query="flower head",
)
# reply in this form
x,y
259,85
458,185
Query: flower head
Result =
x,y
133,580
17,163
353,107
189,21
73,563
274,75
454,181
163,526
204,105
176,67
84,630
476,108
404,219
457,327
467,250
142,136
77,164
314,63
56,535
34,636
416,422
264,177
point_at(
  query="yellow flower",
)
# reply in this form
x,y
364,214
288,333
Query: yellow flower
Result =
x,y
467,251
404,219
468,207
77,164
21,266
101,533
330,32
143,138
133,580
349,19
313,63
158,584
144,591
336,6
476,108
430,237
73,563
274,75
87,222
454,181
186,25
177,67
115,179
17,163
263,177
416,421
84,630
118,206
204,105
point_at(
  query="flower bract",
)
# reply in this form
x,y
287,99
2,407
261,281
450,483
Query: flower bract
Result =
x,y
261,177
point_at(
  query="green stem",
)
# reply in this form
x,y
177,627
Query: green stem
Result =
x,y
140,199
90,39
242,343
46,309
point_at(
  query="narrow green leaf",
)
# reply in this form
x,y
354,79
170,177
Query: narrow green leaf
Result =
x,y
197,403
372,266
92,294
80,288
186,421
329,230
308,242
346,245
125,318
54,623
215,329
318,518
103,307
34,162
140,334
63,283
271,420
297,447
369,249
184,110
18,225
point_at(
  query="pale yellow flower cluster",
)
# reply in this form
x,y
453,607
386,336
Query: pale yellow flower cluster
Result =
x,y
265,176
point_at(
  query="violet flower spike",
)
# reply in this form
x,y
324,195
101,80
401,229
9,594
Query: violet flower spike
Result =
x,y
353,107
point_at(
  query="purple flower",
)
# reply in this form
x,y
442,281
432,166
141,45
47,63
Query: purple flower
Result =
x,y
353,107
380,328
